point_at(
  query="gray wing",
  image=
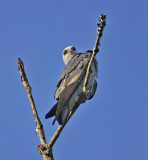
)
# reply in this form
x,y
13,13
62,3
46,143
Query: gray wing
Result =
x,y
72,71
72,75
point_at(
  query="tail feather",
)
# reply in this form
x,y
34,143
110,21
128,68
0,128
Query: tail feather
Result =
x,y
59,119
52,112
62,118
53,121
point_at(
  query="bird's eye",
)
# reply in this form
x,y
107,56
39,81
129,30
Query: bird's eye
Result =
x,y
73,49
65,52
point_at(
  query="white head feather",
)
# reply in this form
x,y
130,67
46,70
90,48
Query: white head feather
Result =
x,y
68,53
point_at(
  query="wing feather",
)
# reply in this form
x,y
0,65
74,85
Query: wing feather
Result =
x,y
72,75
76,65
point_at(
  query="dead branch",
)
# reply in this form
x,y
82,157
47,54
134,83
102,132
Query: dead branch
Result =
x,y
101,25
39,126
58,132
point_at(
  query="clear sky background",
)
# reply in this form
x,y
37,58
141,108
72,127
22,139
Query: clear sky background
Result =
x,y
114,124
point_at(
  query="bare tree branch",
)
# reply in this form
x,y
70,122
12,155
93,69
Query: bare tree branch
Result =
x,y
101,25
58,132
39,126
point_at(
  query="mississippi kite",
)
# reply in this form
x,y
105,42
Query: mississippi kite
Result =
x,y
69,93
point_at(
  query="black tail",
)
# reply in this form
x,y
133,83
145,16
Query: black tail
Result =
x,y
52,112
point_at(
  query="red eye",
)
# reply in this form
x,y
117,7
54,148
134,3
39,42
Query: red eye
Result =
x,y
73,49
65,51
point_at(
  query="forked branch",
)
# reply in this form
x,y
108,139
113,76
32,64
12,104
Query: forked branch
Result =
x,y
44,148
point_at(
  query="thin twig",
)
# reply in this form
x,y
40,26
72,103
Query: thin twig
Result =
x,y
101,25
58,132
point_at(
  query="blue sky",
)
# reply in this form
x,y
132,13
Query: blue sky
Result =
x,y
114,124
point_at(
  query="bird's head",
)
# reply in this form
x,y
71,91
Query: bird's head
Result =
x,y
68,53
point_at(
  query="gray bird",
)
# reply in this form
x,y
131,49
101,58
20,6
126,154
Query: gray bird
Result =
x,y
69,93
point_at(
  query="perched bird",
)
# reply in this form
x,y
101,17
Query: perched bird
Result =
x,y
69,93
